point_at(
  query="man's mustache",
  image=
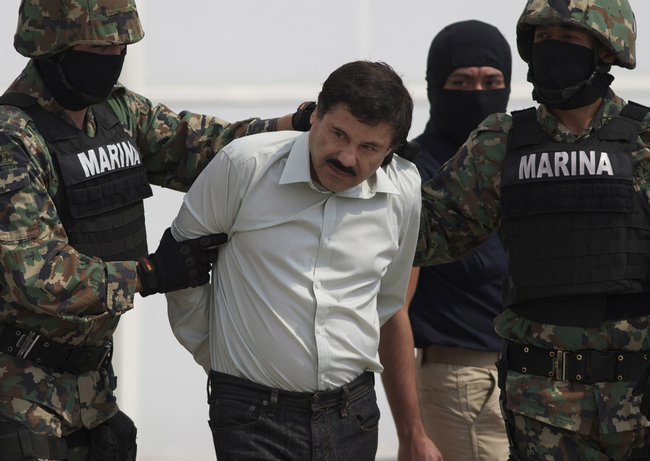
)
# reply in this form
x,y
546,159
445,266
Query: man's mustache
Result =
x,y
339,166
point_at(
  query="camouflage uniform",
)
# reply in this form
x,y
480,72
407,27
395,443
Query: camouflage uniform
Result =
x,y
554,419
461,209
47,286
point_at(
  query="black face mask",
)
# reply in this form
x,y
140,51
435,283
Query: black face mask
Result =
x,y
455,113
458,112
78,79
567,76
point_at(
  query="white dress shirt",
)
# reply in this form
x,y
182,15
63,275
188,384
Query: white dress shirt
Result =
x,y
307,276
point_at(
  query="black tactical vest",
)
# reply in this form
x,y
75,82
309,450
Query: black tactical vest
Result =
x,y
102,182
576,232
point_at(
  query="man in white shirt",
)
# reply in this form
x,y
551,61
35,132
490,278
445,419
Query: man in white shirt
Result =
x,y
322,228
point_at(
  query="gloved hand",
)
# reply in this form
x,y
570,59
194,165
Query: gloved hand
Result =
x,y
300,120
642,388
177,265
408,150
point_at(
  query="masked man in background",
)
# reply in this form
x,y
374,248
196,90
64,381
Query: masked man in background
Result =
x,y
452,306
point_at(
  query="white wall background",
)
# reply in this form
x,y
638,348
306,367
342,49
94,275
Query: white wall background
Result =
x,y
261,58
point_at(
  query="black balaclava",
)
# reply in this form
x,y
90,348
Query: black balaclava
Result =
x,y
567,76
455,113
78,79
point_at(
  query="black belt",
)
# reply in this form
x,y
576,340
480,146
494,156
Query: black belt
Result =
x,y
583,366
61,358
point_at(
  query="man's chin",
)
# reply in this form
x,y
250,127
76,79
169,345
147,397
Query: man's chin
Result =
x,y
339,184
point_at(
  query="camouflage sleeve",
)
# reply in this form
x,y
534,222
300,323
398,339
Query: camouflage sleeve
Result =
x,y
460,204
642,160
40,271
177,147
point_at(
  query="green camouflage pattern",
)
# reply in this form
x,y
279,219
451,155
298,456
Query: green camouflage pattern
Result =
x,y
40,421
460,209
46,285
460,206
47,27
545,442
611,21
572,405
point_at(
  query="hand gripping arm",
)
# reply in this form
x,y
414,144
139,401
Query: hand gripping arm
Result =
x,y
177,265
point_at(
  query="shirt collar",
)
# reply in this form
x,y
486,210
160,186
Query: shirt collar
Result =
x,y
297,169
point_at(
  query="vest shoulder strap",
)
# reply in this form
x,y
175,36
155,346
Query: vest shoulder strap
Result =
x,y
19,100
51,127
105,115
522,116
635,111
525,128
626,126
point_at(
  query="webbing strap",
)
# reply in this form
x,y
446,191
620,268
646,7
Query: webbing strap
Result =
x,y
24,445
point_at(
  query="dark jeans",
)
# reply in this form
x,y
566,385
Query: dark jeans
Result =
x,y
250,421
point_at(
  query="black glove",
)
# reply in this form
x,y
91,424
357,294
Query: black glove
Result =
x,y
642,388
408,150
177,265
300,120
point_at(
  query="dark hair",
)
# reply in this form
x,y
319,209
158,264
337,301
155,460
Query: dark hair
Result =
x,y
373,93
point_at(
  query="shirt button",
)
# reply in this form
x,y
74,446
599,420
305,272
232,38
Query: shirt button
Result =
x,y
326,241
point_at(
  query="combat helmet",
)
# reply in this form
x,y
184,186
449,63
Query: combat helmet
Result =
x,y
47,27
610,21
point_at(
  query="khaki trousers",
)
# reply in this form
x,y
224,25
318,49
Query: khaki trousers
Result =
x,y
459,403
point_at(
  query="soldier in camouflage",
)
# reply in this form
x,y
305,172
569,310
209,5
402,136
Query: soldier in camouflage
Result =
x,y
77,154
567,185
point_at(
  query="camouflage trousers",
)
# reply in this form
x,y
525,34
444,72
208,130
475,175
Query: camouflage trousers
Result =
x,y
40,420
545,442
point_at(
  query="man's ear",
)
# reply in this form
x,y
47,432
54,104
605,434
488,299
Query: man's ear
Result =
x,y
314,114
606,55
388,158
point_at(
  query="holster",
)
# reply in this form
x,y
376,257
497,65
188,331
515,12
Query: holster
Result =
x,y
508,417
114,440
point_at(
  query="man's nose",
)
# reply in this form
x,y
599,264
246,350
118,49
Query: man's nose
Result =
x,y
348,156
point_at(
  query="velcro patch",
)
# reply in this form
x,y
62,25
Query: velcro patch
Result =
x,y
641,175
6,157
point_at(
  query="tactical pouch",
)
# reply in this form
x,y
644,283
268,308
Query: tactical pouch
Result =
x,y
508,417
19,443
114,440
